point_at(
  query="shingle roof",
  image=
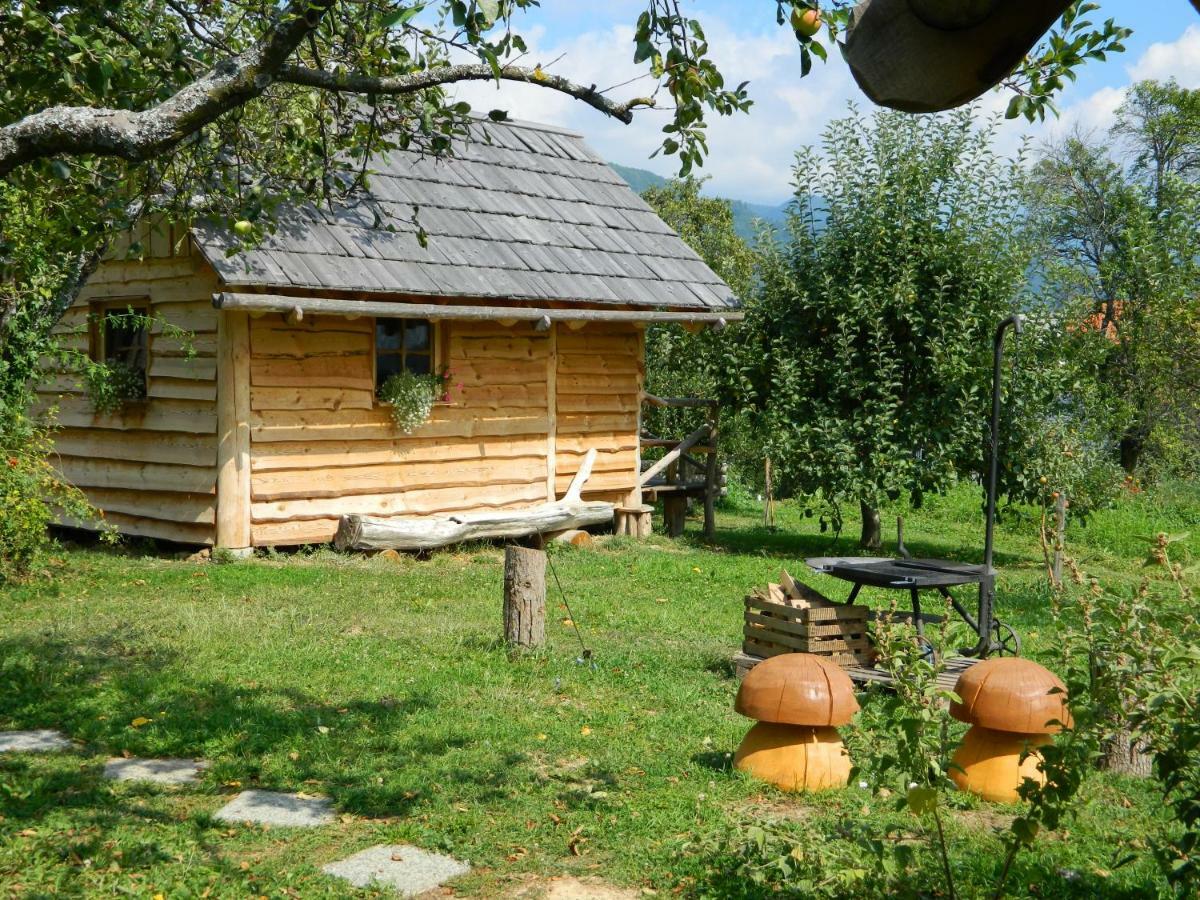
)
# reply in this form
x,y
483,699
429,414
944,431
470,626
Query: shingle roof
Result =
x,y
520,211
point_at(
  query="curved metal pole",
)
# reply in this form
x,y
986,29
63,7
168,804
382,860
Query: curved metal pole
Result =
x,y
987,585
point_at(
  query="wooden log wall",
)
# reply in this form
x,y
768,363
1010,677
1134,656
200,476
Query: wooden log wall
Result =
x,y
599,381
321,447
151,468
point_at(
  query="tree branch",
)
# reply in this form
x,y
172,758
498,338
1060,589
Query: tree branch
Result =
x,y
139,135
417,81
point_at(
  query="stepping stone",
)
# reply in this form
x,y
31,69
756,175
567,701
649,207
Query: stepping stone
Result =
x,y
408,870
38,741
159,771
271,808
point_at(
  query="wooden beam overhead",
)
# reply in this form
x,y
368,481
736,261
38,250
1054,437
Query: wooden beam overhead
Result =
x,y
260,303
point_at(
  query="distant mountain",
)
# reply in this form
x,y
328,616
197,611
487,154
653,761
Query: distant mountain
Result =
x,y
744,213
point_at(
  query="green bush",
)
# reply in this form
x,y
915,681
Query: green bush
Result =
x,y
31,492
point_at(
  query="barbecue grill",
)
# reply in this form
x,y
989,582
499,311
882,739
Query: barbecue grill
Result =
x,y
917,575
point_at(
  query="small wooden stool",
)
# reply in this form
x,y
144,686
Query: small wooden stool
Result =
x,y
635,521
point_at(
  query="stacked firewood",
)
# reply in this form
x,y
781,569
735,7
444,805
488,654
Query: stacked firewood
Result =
x,y
791,617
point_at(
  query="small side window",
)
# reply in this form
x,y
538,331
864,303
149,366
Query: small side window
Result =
x,y
122,342
403,345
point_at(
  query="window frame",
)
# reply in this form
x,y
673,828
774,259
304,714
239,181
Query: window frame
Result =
x,y
98,312
437,353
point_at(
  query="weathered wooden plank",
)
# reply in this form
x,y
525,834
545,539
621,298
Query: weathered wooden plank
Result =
x,y
351,372
598,403
465,346
191,416
597,384
194,369
283,455
198,509
376,424
178,532
347,480
411,502
332,398
203,346
181,389
595,364
112,473
611,441
600,481
531,394
285,534
135,270
136,446
295,344
577,423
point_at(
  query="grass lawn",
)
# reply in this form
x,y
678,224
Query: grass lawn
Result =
x,y
382,685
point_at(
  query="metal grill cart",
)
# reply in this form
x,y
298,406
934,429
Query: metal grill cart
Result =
x,y
917,575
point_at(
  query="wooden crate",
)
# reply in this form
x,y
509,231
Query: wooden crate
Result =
x,y
836,631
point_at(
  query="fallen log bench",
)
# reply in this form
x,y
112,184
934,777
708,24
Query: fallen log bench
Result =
x,y
357,532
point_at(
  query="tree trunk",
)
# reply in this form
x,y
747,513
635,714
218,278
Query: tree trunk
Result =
x,y
524,597
1124,756
872,532
1133,442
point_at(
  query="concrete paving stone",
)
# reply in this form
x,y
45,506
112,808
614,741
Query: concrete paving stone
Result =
x,y
38,741
159,771
408,870
272,808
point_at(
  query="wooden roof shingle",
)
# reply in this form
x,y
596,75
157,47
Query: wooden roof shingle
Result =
x,y
519,212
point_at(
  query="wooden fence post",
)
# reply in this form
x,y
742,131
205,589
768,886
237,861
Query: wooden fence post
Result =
x,y
524,597
711,473
1060,536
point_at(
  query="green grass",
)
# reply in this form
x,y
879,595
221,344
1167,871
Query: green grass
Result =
x,y
383,685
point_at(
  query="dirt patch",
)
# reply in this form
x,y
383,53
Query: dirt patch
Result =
x,y
779,810
568,887
984,819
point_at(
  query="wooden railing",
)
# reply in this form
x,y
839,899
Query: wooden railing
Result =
x,y
679,474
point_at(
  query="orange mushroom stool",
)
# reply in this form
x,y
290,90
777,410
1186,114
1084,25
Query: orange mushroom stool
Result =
x,y
799,700
1010,704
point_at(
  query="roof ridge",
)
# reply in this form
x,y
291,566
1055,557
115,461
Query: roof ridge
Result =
x,y
484,119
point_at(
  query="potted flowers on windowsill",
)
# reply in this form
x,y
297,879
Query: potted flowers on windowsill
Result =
x,y
113,386
412,397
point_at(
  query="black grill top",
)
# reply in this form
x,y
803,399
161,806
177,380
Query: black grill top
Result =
x,y
899,573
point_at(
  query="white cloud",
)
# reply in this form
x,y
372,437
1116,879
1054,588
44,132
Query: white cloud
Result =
x,y
1179,59
751,155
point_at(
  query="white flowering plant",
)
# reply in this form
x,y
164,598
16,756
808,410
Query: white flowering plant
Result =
x,y
412,396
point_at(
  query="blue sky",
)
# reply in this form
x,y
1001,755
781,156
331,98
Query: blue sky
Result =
x,y
752,154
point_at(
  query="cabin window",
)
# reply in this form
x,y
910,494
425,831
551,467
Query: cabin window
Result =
x,y
403,345
119,337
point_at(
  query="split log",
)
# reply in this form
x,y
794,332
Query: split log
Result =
x,y
576,537
524,597
429,532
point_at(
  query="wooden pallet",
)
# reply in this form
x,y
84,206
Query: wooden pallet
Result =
x,y
955,665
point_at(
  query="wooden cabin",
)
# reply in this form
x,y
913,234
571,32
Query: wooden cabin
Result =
x,y
541,272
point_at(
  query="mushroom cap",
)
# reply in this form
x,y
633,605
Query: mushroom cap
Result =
x,y
1011,694
797,689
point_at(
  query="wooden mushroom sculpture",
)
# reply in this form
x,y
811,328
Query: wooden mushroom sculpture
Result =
x,y
1010,703
799,700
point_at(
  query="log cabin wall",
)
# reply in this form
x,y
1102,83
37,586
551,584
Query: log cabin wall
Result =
x,y
152,467
321,446
599,380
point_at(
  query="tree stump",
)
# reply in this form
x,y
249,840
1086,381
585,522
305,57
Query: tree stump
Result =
x,y
524,597
674,514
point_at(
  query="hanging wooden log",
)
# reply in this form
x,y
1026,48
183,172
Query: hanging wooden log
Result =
x,y
429,532
524,596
